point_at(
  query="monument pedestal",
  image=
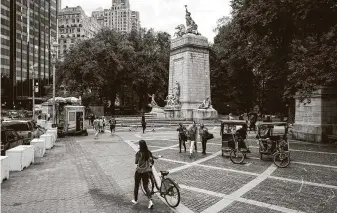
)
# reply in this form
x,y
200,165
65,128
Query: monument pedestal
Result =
x,y
157,112
190,68
316,118
205,114
173,113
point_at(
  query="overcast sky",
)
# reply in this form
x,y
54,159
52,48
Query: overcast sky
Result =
x,y
165,15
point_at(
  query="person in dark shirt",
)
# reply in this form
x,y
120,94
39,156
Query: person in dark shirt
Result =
x,y
242,133
182,136
112,123
144,161
143,123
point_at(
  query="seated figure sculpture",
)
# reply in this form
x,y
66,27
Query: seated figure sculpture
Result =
x,y
206,104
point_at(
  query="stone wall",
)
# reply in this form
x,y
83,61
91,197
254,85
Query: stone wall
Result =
x,y
189,65
316,118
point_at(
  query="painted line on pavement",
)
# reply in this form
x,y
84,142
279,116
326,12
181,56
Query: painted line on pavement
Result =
x,y
256,158
304,182
179,209
267,205
304,163
211,167
238,193
169,147
253,174
243,200
301,150
195,162
229,170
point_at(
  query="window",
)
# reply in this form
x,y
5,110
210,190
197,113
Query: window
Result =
x,y
71,116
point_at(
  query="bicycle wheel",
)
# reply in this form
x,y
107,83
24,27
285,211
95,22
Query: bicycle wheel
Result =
x,y
281,159
171,192
237,156
150,185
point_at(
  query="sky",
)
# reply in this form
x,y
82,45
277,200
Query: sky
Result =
x,y
165,15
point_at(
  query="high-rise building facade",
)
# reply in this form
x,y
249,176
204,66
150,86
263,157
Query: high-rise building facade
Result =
x,y
119,17
74,25
26,30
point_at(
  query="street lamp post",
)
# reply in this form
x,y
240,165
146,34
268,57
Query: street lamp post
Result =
x,y
33,96
53,61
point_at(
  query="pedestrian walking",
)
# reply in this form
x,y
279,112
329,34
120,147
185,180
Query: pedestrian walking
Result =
x,y
143,123
144,161
92,118
112,123
192,137
101,125
203,132
96,127
182,136
252,121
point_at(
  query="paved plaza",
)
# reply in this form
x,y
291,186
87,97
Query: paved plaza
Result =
x,y
81,174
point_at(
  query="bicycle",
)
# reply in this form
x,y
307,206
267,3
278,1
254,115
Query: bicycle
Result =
x,y
168,188
239,153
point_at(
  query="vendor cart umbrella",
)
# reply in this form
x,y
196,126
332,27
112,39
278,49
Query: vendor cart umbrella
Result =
x,y
57,100
72,99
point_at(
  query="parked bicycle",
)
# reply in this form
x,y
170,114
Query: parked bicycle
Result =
x,y
168,189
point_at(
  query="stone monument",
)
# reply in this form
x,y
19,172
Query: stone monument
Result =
x,y
316,116
189,75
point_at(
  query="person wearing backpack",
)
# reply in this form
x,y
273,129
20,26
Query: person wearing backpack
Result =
x,y
144,161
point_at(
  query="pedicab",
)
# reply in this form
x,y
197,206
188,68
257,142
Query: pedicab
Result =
x,y
273,141
233,140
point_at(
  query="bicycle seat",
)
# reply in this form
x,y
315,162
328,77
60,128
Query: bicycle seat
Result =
x,y
164,173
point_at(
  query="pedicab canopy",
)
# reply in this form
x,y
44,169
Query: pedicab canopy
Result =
x,y
237,123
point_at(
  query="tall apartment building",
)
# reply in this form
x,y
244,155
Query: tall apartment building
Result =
x,y
119,17
74,25
26,29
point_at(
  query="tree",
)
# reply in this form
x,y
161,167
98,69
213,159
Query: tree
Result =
x,y
116,65
287,54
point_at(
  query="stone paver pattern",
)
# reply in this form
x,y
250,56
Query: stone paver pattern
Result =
x,y
81,174
307,185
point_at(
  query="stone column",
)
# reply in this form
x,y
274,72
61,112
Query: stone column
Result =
x,y
316,118
189,65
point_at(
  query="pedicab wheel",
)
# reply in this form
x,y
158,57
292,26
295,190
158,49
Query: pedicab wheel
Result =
x,y
237,156
281,159
150,185
171,192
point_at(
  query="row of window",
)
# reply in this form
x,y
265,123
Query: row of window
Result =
x,y
71,30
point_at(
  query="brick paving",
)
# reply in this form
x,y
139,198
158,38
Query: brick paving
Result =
x,y
78,175
307,185
84,175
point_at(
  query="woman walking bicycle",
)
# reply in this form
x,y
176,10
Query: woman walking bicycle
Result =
x,y
144,160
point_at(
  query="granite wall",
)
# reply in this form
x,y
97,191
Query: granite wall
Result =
x,y
316,118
